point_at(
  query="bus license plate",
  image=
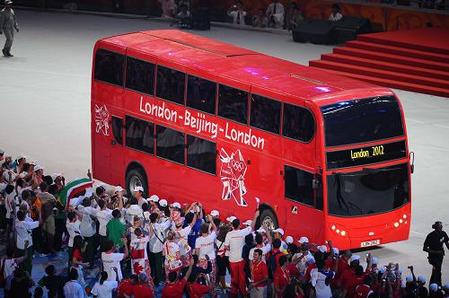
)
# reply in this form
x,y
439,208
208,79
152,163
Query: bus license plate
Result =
x,y
370,243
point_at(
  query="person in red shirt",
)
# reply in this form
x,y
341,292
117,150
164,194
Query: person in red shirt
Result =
x,y
364,290
355,280
125,288
195,288
142,289
281,278
175,287
259,274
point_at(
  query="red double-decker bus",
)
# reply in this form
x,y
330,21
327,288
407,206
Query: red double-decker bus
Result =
x,y
194,119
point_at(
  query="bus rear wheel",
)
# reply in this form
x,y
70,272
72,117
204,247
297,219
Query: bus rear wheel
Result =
x,y
136,177
268,220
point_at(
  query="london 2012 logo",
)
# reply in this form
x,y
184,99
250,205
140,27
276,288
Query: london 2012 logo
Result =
x,y
232,174
102,119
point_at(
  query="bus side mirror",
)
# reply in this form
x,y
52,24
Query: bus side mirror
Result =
x,y
412,162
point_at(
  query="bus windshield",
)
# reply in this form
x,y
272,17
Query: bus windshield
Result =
x,y
368,191
362,120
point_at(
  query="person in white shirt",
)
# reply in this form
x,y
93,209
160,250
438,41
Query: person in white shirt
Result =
x,y
73,229
237,13
104,215
104,287
318,278
132,211
88,229
264,247
157,239
73,288
205,246
138,195
336,13
275,14
9,263
234,242
24,227
112,259
138,252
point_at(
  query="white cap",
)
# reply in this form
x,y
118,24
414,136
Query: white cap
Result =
x,y
231,218
322,248
56,175
176,205
261,230
33,163
289,239
433,287
354,258
118,188
215,213
37,168
303,240
279,230
21,156
248,222
163,203
409,278
335,251
138,188
310,259
154,198
422,279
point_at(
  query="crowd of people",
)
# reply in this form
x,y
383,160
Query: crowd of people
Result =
x,y
147,247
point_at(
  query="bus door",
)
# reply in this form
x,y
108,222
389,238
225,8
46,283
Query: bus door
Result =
x,y
303,190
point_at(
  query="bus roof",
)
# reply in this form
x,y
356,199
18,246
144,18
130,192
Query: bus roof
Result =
x,y
243,67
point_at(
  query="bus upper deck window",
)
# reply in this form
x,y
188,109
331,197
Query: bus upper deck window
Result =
x,y
265,113
170,84
233,104
139,75
201,94
109,67
299,123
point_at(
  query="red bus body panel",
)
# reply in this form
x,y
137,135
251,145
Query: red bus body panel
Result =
x,y
256,73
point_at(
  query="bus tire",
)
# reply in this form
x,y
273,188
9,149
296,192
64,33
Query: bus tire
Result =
x,y
136,177
267,217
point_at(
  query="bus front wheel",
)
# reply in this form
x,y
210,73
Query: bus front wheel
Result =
x,y
136,177
268,220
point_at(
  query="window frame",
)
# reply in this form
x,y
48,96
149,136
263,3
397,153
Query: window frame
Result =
x,y
248,111
314,198
126,76
281,114
165,158
215,112
154,138
114,138
156,84
314,123
187,155
123,70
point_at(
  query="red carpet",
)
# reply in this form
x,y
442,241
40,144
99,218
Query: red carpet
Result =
x,y
415,60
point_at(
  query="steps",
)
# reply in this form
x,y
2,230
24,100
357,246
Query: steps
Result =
x,y
396,64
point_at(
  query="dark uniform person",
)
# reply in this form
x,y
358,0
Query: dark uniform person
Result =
x,y
434,246
8,23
